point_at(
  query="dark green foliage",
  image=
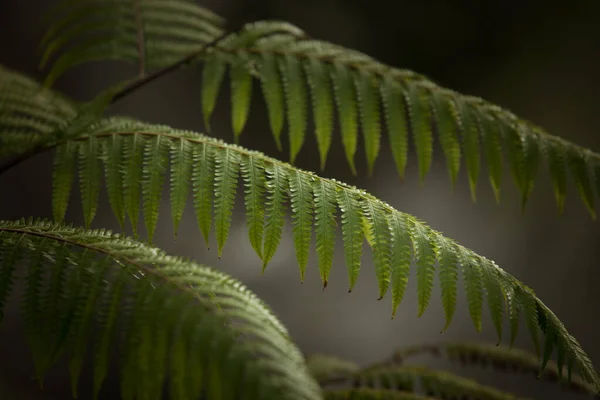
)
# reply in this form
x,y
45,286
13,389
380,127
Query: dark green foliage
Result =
x,y
287,64
182,324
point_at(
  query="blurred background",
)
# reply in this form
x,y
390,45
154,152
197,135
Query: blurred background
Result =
x,y
536,58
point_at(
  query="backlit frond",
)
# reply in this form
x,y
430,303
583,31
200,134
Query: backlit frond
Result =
x,y
395,237
289,66
175,323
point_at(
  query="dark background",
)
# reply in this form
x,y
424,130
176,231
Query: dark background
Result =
x,y
537,59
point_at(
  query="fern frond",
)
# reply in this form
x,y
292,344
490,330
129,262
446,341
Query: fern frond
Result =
x,y
75,280
286,62
395,237
497,357
28,112
148,33
372,394
324,367
402,380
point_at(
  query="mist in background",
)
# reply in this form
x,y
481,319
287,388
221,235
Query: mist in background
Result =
x,y
537,59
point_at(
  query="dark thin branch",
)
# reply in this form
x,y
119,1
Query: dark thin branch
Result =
x,y
127,90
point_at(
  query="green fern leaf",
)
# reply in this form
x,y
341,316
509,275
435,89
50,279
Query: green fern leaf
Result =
x,y
154,166
212,76
320,84
448,271
530,311
380,231
181,174
202,186
470,134
272,89
578,165
241,94
557,164
424,249
473,279
223,325
107,325
8,260
112,157
420,125
344,90
492,145
524,155
495,294
62,176
301,199
352,233
296,101
274,210
89,176
325,225
368,101
133,150
401,257
254,180
448,131
396,119
226,175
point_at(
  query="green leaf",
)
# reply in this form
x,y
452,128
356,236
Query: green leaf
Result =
x,y
576,159
113,160
368,102
420,125
401,257
301,198
181,174
226,175
241,94
321,87
448,271
424,249
557,164
274,210
202,186
345,96
325,225
272,89
212,76
253,173
473,279
448,130
62,176
89,179
396,120
495,294
352,233
492,145
524,156
133,149
156,153
379,229
470,134
296,101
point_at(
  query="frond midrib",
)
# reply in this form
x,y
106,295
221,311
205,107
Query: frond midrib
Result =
x,y
150,271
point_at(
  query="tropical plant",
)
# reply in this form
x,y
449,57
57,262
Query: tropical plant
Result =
x,y
199,331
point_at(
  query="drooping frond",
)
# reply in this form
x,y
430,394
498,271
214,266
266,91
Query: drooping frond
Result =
x,y
372,394
416,379
147,33
396,238
175,323
497,357
326,368
298,74
28,112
